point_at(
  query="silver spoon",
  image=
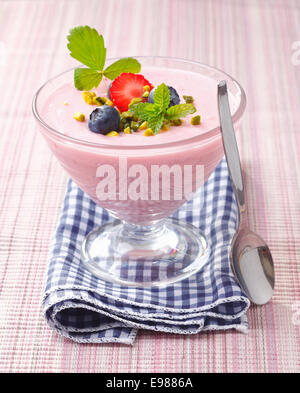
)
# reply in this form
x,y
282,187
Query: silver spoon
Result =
x,y
250,258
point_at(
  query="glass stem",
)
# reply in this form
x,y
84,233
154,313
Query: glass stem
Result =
x,y
143,233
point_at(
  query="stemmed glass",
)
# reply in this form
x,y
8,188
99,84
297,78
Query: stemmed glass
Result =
x,y
141,247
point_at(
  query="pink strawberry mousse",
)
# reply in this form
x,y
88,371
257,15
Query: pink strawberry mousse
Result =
x,y
187,144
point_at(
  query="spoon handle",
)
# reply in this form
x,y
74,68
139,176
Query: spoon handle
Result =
x,y
230,145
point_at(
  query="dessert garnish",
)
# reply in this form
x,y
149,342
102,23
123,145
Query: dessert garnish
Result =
x,y
89,97
102,101
143,126
149,132
104,119
176,122
195,121
145,94
132,103
164,127
87,46
127,87
174,97
112,133
160,111
188,99
79,116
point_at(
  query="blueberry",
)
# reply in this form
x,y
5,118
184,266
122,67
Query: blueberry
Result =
x,y
104,119
174,97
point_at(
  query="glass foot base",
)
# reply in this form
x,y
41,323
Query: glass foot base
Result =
x,y
139,256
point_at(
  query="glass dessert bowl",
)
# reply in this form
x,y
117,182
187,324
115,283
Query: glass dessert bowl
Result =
x,y
141,180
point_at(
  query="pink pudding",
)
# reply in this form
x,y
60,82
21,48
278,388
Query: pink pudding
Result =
x,y
81,151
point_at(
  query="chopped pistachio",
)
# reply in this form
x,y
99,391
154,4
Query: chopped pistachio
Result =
x,y
112,133
79,116
148,132
164,127
176,122
124,123
195,120
135,100
127,115
188,99
146,88
96,101
88,97
134,125
127,130
143,126
146,94
99,100
126,119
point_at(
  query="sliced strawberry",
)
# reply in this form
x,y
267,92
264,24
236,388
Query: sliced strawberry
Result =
x,y
126,87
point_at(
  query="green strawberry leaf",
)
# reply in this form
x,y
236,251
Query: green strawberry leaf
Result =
x,y
86,79
87,46
127,64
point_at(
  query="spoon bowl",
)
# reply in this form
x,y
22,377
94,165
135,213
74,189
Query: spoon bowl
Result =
x,y
252,264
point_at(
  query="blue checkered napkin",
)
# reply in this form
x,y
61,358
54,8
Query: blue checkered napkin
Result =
x,y
86,309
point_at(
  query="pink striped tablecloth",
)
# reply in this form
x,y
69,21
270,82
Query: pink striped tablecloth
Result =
x,y
258,42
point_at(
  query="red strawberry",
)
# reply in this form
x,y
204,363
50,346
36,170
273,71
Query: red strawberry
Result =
x,y
126,87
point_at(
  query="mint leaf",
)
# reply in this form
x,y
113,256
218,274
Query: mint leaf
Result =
x,y
140,110
86,79
180,110
156,113
155,122
87,46
127,64
143,110
162,97
149,112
